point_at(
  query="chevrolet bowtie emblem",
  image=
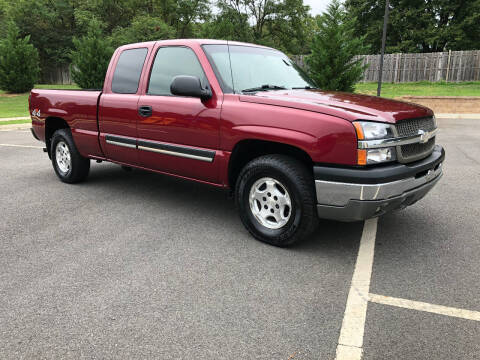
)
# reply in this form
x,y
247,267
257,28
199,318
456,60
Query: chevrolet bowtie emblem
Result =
x,y
424,136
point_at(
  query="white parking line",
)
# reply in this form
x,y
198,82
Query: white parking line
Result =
x,y
422,306
350,341
23,146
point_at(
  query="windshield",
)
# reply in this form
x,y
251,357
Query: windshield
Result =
x,y
247,68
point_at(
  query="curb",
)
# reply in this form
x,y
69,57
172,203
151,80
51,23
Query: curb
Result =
x,y
15,118
15,127
457,116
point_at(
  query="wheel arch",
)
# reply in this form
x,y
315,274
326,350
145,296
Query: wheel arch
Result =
x,y
53,124
246,150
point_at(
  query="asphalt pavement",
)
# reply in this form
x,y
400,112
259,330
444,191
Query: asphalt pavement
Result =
x,y
141,265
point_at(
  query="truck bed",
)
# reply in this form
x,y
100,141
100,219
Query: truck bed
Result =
x,y
78,108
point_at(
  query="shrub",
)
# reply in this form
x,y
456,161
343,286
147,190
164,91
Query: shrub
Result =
x,y
90,59
19,61
331,64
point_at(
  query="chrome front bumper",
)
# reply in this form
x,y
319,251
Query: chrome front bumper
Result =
x,y
355,200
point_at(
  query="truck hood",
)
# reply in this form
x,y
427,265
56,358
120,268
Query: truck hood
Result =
x,y
344,105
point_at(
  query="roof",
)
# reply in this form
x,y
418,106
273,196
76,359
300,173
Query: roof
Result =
x,y
194,41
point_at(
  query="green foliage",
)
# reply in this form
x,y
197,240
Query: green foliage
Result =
x,y
3,18
419,26
278,23
331,64
90,59
142,28
51,26
183,14
18,62
229,24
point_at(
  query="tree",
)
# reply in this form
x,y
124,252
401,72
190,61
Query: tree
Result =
x,y
18,62
419,26
90,59
51,27
184,13
3,18
143,28
278,23
229,24
335,44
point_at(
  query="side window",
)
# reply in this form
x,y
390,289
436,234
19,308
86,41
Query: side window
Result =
x,y
170,62
128,71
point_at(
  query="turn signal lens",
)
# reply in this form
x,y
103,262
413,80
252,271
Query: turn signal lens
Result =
x,y
361,157
359,130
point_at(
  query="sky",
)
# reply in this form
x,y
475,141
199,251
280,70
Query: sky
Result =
x,y
317,6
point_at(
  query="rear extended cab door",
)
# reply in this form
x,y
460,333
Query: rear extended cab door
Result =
x,y
118,106
180,135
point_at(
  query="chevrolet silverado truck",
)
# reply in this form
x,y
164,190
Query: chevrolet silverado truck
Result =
x,y
246,118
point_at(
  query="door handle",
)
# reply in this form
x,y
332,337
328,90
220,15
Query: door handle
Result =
x,y
145,111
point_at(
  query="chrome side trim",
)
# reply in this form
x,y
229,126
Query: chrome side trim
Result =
x,y
112,142
174,153
375,144
339,193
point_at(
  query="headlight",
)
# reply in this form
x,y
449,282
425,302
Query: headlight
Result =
x,y
367,130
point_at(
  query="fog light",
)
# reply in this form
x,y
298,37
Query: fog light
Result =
x,y
375,156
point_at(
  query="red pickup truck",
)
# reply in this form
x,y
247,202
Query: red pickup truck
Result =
x,y
245,117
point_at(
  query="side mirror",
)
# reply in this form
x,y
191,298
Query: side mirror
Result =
x,y
184,85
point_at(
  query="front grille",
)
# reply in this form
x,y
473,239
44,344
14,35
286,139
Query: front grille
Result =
x,y
417,151
410,127
411,150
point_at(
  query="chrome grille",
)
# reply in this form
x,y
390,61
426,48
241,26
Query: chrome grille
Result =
x,y
410,127
417,151
411,150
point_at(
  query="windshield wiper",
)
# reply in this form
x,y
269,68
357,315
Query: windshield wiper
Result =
x,y
265,88
305,88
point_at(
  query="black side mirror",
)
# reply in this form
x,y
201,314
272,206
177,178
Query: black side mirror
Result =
x,y
184,85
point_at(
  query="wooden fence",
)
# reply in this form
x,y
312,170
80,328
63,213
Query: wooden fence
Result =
x,y
452,66
60,75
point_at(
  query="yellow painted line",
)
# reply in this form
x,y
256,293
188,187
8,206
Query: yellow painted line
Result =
x,y
350,341
423,306
23,146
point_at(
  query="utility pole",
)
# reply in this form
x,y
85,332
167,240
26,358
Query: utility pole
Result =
x,y
384,39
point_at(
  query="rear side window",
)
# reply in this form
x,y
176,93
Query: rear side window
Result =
x,y
170,62
127,73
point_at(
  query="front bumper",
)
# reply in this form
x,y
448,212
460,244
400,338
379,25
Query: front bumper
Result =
x,y
358,194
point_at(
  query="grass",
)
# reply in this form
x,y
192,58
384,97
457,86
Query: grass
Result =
x,y
16,105
422,88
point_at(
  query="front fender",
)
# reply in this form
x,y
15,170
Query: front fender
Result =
x,y
329,147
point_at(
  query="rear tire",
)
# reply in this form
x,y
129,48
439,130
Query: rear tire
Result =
x,y
276,199
69,165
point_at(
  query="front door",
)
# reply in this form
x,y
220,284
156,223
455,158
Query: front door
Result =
x,y
178,135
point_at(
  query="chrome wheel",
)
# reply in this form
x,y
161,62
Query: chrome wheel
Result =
x,y
63,157
270,203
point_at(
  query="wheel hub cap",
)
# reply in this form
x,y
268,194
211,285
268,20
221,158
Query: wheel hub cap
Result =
x,y
62,156
270,203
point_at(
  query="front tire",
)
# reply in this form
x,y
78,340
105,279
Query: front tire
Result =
x,y
276,199
69,165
